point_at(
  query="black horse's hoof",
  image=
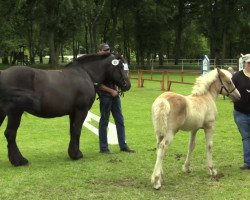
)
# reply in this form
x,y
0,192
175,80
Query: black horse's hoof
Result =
x,y
19,162
76,156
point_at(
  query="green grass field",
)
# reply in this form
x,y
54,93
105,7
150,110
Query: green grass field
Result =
x,y
52,175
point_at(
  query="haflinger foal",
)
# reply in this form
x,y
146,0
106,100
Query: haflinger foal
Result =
x,y
172,112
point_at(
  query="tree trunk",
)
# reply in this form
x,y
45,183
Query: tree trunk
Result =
x,y
86,37
31,42
74,47
177,44
161,59
149,61
40,58
91,40
94,50
178,32
141,56
224,43
62,54
105,30
5,59
53,53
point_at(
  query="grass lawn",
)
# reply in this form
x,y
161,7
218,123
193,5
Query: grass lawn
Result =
x,y
52,175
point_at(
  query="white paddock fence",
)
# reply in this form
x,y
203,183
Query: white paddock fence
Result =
x,y
184,63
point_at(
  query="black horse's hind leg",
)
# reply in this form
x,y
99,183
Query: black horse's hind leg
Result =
x,y
76,121
15,156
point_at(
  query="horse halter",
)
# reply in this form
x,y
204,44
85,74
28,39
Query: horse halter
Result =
x,y
115,63
223,87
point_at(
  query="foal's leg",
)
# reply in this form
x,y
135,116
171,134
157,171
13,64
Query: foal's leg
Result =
x,y
162,146
191,146
15,156
76,121
209,144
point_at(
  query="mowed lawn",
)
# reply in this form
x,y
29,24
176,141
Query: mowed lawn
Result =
x,y
52,175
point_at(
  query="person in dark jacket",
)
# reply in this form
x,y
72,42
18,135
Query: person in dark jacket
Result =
x,y
241,79
110,103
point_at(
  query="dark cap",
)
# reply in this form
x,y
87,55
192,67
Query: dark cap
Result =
x,y
104,47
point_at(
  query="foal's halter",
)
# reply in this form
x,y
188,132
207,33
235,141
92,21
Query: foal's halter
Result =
x,y
223,87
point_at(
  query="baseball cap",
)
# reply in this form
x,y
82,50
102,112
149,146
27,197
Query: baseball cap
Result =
x,y
104,47
246,58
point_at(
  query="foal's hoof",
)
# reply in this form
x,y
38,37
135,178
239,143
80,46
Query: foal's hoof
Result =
x,y
76,156
157,185
19,162
213,172
186,169
156,180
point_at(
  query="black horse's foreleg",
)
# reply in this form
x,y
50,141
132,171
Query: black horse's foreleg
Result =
x,y
15,156
2,117
76,121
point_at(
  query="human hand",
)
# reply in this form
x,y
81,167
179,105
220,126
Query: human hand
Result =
x,y
114,93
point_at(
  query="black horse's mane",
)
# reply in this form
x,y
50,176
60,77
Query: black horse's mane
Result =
x,y
91,57
94,57
88,58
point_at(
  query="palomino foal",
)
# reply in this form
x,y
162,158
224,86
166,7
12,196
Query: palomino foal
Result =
x,y
172,112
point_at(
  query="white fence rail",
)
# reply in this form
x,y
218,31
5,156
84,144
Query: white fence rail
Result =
x,y
154,63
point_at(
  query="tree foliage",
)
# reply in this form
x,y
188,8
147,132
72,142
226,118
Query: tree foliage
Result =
x,y
141,29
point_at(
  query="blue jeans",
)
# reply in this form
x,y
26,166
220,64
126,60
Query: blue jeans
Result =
x,y
243,122
111,104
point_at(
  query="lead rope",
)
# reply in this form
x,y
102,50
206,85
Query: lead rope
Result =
x,y
96,86
120,92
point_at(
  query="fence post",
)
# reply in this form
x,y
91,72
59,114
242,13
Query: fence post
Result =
x,y
140,79
162,80
168,81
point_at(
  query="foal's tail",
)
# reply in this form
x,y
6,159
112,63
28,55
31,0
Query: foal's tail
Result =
x,y
18,99
160,112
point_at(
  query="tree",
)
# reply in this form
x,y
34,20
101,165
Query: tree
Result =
x,y
142,29
10,32
93,12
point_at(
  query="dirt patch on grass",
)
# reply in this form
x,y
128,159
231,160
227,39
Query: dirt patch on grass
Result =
x,y
114,160
152,149
178,156
117,183
123,183
217,177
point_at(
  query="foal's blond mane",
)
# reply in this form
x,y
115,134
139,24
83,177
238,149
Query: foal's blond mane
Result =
x,y
203,82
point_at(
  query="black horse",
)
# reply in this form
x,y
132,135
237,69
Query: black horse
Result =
x,y
70,91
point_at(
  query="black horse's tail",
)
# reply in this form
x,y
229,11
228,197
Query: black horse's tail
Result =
x,y
18,99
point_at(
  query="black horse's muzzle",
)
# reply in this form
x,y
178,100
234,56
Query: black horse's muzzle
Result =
x,y
126,85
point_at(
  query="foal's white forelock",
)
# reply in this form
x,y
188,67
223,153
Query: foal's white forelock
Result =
x,y
203,82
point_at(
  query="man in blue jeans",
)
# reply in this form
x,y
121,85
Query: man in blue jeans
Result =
x,y
110,103
241,80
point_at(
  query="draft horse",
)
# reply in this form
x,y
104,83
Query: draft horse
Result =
x,y
54,93
172,112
